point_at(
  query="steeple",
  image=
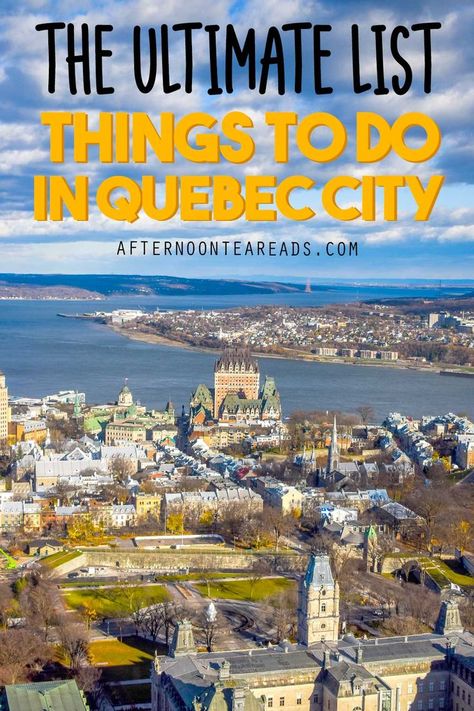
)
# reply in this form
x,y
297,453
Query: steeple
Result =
x,y
333,453
318,603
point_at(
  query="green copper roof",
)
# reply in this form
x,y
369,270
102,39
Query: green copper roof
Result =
x,y
371,532
45,696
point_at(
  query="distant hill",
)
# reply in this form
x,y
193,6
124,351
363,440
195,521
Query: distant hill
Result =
x,y
109,284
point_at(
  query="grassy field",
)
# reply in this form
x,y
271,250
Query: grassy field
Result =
x,y
121,661
442,573
115,601
52,561
11,563
449,573
243,589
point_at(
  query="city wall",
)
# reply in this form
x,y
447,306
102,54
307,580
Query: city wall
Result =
x,y
175,560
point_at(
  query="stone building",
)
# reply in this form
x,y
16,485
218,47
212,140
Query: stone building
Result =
x,y
318,603
237,397
426,672
236,372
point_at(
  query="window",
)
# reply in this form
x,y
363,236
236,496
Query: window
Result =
x,y
315,698
442,685
323,607
323,626
463,695
282,700
420,686
270,702
419,705
430,703
298,701
410,688
441,703
431,686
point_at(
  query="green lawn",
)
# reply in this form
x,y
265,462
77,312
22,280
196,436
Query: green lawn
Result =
x,y
242,589
11,562
52,561
437,569
116,601
121,661
456,578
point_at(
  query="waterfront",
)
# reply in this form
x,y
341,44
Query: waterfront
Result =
x,y
41,353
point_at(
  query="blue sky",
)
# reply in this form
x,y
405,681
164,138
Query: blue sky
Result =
x,y
441,248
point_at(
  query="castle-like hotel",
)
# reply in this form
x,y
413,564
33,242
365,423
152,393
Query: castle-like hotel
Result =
x,y
237,396
322,671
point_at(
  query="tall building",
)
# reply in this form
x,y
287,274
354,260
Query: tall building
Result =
x,y
235,373
430,671
333,453
318,603
4,410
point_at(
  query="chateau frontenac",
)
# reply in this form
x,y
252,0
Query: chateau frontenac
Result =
x,y
237,396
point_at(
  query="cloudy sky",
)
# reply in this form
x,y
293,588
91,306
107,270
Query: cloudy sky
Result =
x,y
441,248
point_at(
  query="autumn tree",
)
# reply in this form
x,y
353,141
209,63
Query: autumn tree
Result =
x,y
175,523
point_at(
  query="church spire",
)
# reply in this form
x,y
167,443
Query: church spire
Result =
x,y
333,453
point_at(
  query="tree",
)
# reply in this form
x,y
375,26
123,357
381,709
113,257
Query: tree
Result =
x,y
429,503
170,613
462,533
278,523
121,469
259,569
40,602
366,413
7,601
209,624
74,644
207,519
89,613
281,615
175,523
152,621
88,680
22,653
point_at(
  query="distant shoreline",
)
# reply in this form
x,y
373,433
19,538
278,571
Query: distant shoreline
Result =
x,y
154,339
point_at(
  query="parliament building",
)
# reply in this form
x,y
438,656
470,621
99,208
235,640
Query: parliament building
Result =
x,y
322,671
